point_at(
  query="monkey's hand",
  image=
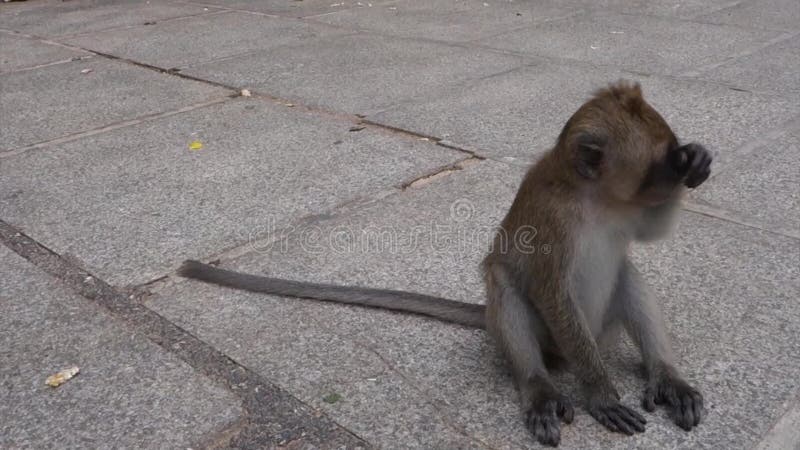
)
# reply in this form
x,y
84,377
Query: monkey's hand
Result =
x,y
684,403
694,162
605,407
545,414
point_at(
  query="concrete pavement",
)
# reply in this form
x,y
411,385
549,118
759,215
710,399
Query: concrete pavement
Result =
x,y
379,144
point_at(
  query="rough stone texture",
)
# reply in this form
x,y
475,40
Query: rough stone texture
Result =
x,y
517,115
717,298
785,433
60,18
195,40
767,14
448,20
293,8
614,40
356,74
664,8
60,100
773,69
129,391
736,325
134,202
18,52
113,187
762,186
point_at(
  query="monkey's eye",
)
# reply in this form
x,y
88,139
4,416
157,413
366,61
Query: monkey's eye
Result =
x,y
591,155
589,158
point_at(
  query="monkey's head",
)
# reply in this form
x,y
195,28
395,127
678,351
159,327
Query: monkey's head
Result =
x,y
623,147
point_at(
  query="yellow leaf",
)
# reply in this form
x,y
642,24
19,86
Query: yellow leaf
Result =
x,y
195,145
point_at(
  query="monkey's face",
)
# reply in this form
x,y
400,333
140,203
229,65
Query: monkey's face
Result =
x,y
626,149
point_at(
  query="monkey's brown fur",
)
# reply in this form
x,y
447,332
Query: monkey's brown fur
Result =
x,y
616,174
616,168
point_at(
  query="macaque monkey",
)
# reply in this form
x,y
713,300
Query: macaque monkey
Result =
x,y
616,174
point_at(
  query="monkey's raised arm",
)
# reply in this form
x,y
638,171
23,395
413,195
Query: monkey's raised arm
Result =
x,y
657,221
469,314
694,163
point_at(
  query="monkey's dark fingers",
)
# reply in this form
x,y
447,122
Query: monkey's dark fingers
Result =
x,y
649,400
619,418
632,417
621,424
689,411
697,177
602,417
699,166
699,409
545,427
565,410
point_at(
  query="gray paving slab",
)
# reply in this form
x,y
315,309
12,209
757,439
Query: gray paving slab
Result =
x,y
18,52
772,69
767,14
60,18
738,324
633,42
199,39
723,287
517,115
16,7
129,391
134,202
293,8
448,20
59,100
785,433
664,8
761,186
356,74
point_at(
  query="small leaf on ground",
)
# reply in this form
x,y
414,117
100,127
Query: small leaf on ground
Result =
x,y
332,398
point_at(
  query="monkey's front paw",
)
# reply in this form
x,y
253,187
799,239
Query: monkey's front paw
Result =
x,y
618,418
696,163
684,403
545,415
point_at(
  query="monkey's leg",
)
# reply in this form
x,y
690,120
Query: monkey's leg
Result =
x,y
512,322
642,319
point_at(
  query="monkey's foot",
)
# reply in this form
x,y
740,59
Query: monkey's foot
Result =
x,y
545,415
618,418
684,403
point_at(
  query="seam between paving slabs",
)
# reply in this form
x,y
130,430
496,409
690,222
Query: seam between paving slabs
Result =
x,y
700,70
528,60
357,118
236,92
40,66
713,211
113,126
125,27
274,418
347,206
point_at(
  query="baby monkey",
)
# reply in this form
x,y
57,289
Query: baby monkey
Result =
x,y
616,174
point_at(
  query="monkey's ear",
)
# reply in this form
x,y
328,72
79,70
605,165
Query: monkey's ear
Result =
x,y
589,155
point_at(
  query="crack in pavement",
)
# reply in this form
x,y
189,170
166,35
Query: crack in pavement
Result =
x,y
273,416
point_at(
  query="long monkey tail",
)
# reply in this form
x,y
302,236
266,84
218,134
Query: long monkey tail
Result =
x,y
471,315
